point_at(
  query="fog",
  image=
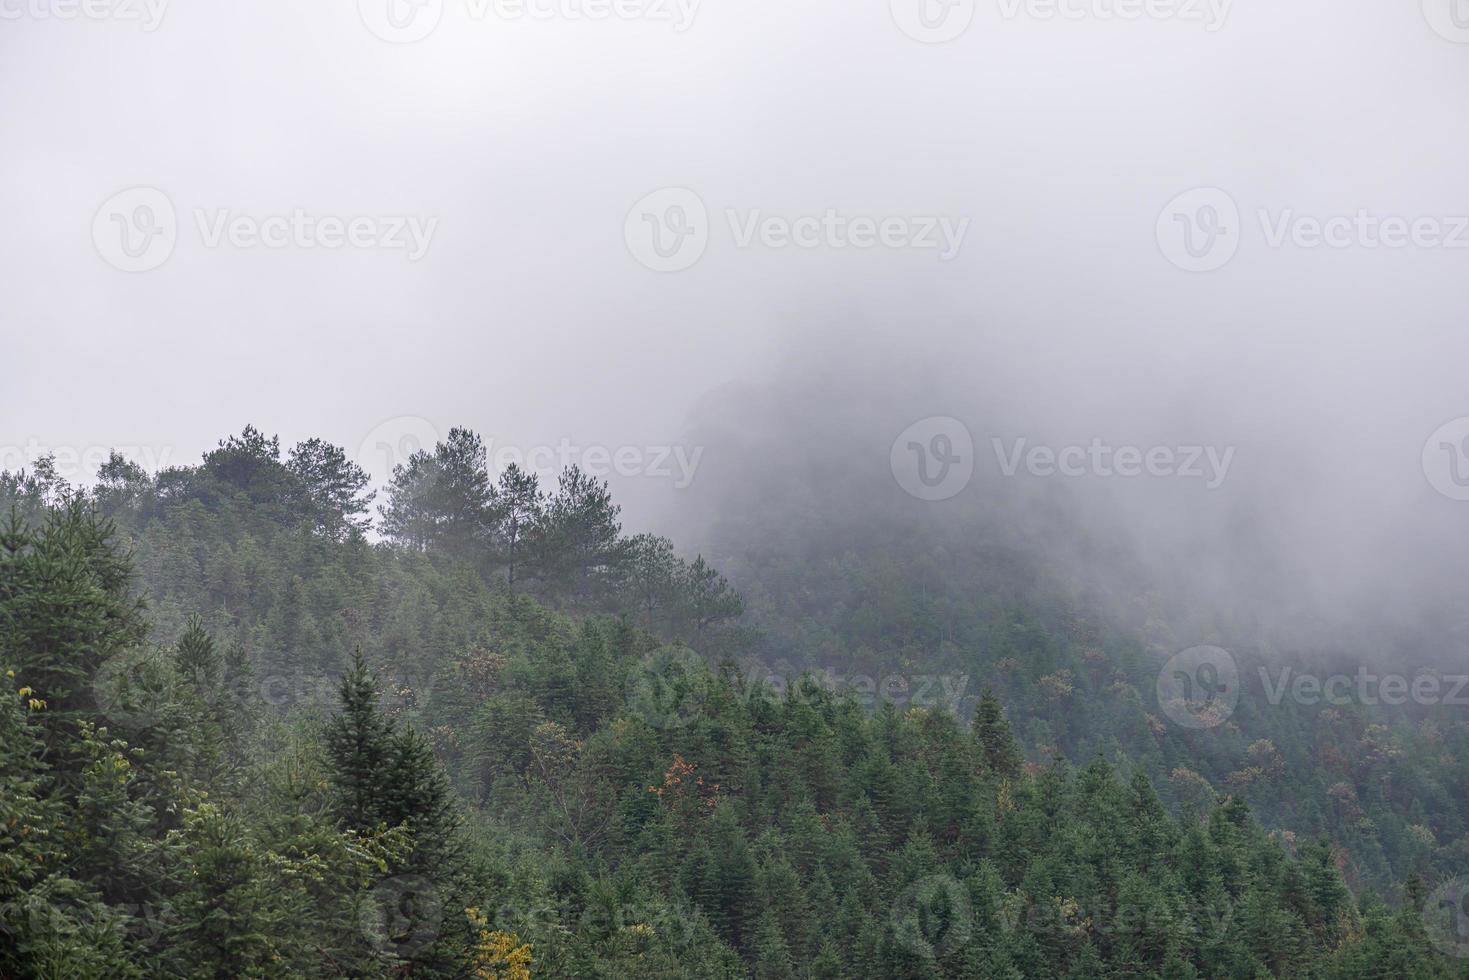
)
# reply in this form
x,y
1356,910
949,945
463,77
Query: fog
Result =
x,y
1059,302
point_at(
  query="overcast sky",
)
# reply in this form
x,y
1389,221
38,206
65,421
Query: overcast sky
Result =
x,y
1019,184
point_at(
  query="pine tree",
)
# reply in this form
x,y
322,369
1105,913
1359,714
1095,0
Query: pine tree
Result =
x,y
827,965
334,489
415,791
359,741
521,509
772,955
196,656
707,598
578,551
227,923
997,744
65,606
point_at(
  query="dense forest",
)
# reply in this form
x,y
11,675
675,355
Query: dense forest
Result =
x,y
262,723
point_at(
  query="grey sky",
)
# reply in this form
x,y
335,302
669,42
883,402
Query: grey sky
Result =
x,y
531,318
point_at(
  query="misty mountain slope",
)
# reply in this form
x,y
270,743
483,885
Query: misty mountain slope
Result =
x,y
1068,601
937,602
521,792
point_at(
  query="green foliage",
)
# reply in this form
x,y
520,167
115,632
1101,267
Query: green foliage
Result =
x,y
506,727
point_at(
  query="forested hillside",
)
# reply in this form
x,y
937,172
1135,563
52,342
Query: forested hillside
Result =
x,y
1055,598
243,738
1388,783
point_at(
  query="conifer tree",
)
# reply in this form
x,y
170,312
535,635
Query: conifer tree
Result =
x,y
359,741
520,511
997,744
196,656
334,489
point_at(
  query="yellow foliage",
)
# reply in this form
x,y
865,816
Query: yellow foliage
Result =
x,y
497,955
